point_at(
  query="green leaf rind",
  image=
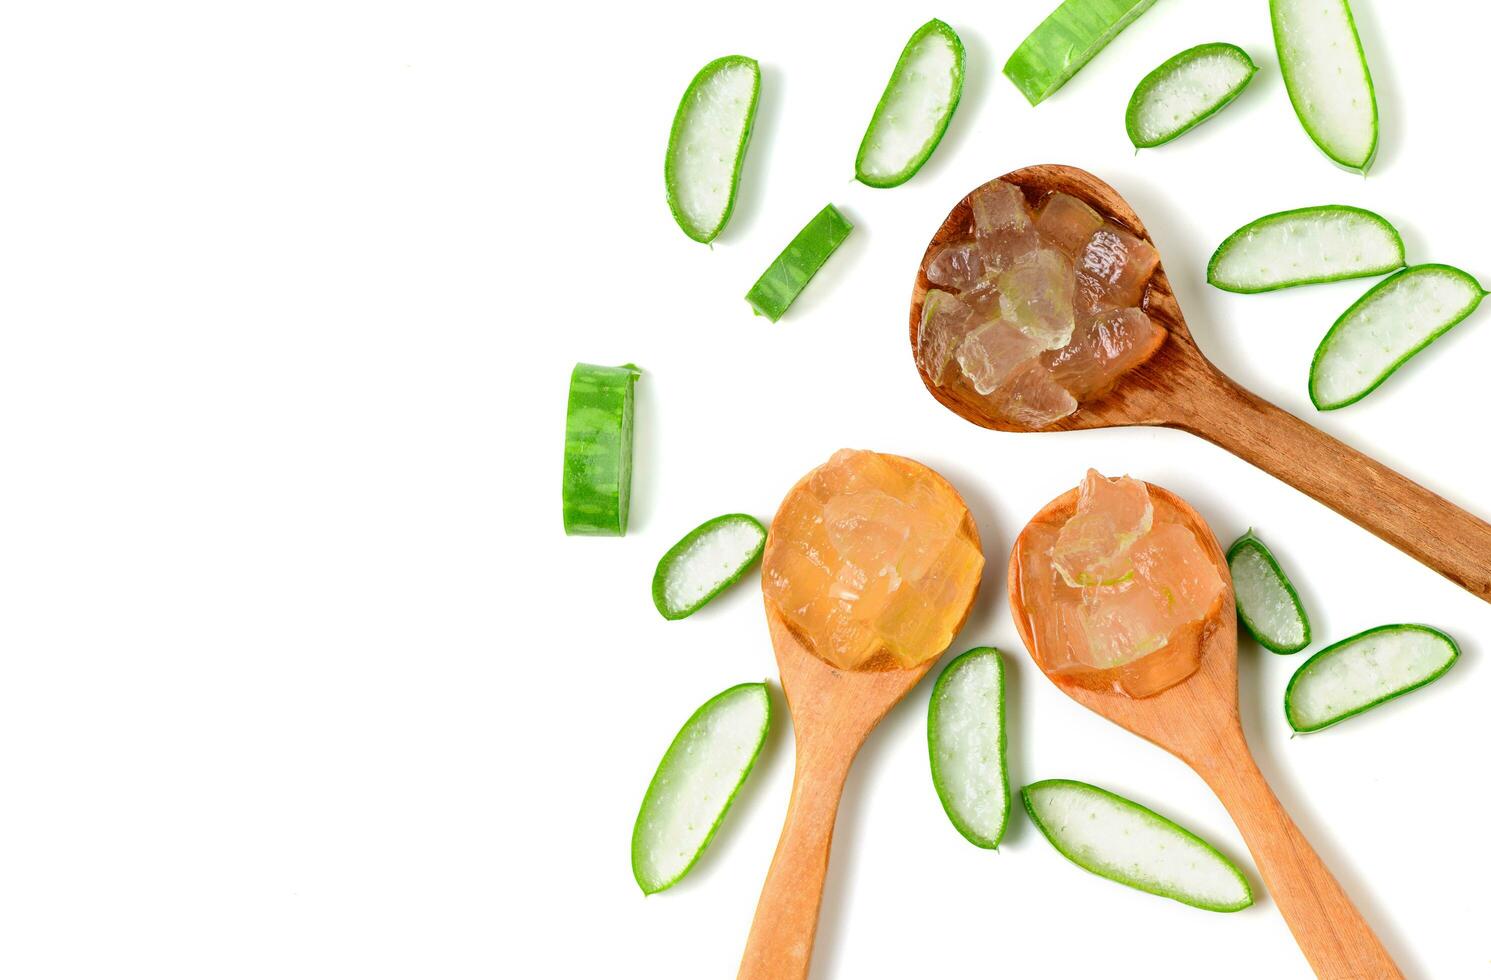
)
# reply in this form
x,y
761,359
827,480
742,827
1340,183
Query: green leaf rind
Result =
x,y
1320,209
1295,96
933,26
1345,318
988,842
1149,887
1250,540
596,488
1148,82
1338,647
1069,37
680,119
665,564
650,887
797,264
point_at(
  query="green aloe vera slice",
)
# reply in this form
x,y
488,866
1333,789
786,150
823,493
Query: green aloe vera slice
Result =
x,y
707,145
1066,40
1122,841
1366,670
1326,74
913,112
696,782
708,559
1324,243
1185,91
598,449
966,742
1266,601
787,276
1393,321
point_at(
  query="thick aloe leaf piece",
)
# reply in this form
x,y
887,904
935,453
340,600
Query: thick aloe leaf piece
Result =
x,y
787,276
1066,40
1326,74
1185,91
1122,841
1366,670
913,112
1324,243
1393,321
707,145
696,782
1267,603
966,742
598,449
708,560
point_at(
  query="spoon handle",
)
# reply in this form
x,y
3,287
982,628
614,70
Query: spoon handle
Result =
x,y
780,946
1419,522
1332,934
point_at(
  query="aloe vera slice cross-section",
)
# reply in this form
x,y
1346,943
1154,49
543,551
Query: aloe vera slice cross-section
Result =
x,y
1125,842
707,144
914,111
1267,603
966,742
1326,75
1364,671
1324,243
1066,40
1393,321
1185,91
705,562
696,782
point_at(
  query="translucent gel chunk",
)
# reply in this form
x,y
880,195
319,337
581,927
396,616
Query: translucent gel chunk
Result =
x,y
946,320
1029,398
1113,268
1035,294
1104,346
1066,223
993,352
1111,515
957,266
1002,225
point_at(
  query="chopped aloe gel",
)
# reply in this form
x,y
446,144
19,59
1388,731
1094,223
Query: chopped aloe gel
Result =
x,y
1393,321
874,562
1117,595
1185,91
1326,75
705,562
598,449
1065,41
786,278
1266,601
1307,245
707,145
696,782
1122,841
918,103
965,739
1038,309
1364,671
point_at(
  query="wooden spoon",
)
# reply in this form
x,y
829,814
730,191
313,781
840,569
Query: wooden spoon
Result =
x,y
1197,721
833,711
1181,389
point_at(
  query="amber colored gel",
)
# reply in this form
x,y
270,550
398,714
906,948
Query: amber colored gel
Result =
x,y
1120,595
871,561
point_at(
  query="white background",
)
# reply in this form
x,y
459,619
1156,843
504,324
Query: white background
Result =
x,y
301,677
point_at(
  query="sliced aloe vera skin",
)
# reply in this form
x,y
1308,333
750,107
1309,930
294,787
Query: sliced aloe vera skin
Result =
x,y
1393,321
1366,670
966,742
1325,72
696,782
787,276
705,562
598,449
1324,243
1118,839
1267,603
707,145
1185,91
913,112
1066,40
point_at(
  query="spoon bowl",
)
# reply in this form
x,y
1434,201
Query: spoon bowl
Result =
x,y
833,712
1197,721
1179,388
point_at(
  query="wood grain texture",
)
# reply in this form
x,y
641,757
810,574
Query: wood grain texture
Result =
x,y
1181,389
833,712
1197,721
